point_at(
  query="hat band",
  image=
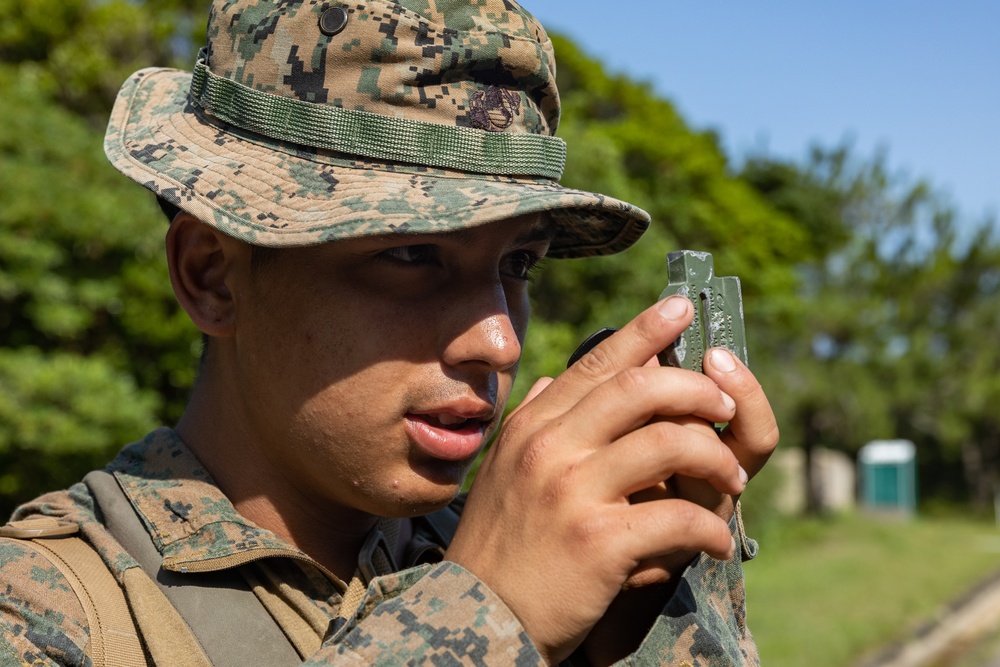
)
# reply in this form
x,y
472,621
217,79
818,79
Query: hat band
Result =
x,y
376,136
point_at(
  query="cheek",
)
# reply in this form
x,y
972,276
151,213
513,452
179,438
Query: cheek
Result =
x,y
337,428
519,311
338,341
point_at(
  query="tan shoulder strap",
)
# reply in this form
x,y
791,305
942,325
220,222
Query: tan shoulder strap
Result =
x,y
115,617
212,610
114,641
167,636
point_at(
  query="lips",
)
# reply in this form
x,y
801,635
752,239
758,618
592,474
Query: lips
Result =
x,y
446,435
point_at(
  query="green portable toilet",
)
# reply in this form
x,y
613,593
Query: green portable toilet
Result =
x,y
888,471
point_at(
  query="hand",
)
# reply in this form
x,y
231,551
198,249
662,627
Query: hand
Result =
x,y
548,525
752,435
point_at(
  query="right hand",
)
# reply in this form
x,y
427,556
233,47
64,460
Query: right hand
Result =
x,y
548,525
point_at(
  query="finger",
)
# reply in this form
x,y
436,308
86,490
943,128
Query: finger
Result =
x,y
639,340
661,527
657,451
704,494
661,570
633,396
753,432
698,490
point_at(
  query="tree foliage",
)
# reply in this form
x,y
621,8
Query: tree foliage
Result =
x,y
94,350
882,342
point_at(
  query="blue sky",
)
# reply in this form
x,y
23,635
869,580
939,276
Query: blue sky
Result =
x,y
919,78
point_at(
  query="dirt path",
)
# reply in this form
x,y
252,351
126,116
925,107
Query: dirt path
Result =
x,y
943,643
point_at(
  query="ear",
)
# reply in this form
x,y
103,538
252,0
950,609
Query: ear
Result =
x,y
203,265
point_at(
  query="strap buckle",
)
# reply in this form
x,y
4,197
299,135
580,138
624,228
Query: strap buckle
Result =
x,y
375,557
39,527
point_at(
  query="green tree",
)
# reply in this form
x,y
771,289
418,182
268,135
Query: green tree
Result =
x,y
878,339
950,383
78,52
93,349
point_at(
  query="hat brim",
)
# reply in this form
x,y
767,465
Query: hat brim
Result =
x,y
276,194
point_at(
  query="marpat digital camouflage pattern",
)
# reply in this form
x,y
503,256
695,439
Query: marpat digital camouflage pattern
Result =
x,y
416,116
433,614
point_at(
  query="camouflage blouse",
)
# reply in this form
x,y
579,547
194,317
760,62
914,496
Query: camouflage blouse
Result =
x,y
434,613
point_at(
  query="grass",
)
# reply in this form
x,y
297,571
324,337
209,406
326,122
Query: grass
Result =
x,y
827,593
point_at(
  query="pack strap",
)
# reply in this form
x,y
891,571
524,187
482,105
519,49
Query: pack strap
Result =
x,y
114,641
376,555
167,636
225,617
442,524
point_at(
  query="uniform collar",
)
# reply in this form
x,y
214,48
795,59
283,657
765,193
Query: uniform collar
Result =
x,y
191,522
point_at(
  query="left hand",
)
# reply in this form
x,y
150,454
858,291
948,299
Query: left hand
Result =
x,y
752,436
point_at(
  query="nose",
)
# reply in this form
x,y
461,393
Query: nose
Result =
x,y
488,329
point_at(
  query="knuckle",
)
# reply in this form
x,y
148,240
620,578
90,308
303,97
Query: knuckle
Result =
x,y
590,532
687,517
701,522
596,364
515,425
769,441
747,387
536,452
660,431
631,380
559,488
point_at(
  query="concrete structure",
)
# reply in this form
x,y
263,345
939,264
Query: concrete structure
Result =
x,y
834,474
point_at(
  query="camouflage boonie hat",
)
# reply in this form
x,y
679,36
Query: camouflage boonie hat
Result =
x,y
307,121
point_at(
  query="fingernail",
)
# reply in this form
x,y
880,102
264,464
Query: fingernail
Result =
x,y
674,308
732,548
744,477
728,401
723,360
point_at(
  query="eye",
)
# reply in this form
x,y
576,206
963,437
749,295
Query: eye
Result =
x,y
521,264
411,254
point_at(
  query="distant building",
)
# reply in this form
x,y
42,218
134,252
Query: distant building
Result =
x,y
888,472
833,474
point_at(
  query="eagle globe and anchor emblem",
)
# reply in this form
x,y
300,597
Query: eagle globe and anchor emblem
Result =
x,y
494,108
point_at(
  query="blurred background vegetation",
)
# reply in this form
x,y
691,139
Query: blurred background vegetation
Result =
x,y
871,311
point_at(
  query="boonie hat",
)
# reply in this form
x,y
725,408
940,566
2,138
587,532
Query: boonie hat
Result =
x,y
307,121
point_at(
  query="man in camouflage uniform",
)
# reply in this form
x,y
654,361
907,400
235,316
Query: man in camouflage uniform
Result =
x,y
359,193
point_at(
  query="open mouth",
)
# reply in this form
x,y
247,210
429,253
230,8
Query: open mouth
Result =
x,y
450,422
446,436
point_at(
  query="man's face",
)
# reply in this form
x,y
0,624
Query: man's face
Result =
x,y
371,372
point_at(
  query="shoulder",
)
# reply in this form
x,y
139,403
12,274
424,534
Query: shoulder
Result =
x,y
41,617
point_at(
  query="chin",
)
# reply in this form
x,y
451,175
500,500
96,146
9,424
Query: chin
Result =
x,y
426,490
411,506
443,474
